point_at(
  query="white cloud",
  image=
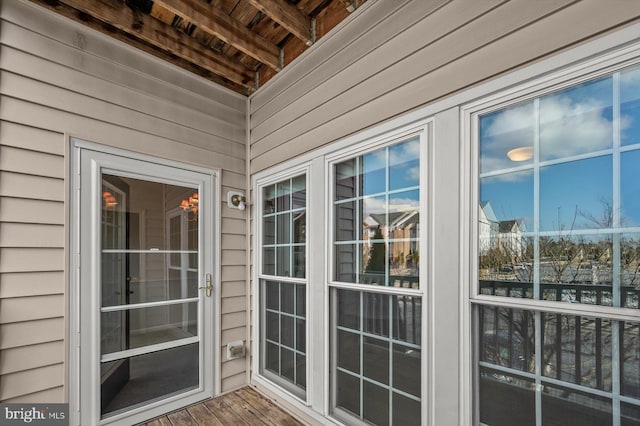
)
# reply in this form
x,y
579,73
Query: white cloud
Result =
x,y
568,128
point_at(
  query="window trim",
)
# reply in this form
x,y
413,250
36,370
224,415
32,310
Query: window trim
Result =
x,y
580,71
424,131
257,374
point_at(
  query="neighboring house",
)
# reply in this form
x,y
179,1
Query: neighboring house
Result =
x,y
126,252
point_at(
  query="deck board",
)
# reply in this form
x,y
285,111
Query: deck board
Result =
x,y
241,407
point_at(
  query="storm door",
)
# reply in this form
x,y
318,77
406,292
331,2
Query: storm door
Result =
x,y
145,289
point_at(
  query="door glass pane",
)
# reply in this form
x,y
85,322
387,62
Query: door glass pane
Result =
x,y
150,238
147,326
138,380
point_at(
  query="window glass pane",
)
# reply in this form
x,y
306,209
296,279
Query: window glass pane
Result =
x,y
507,338
375,352
630,359
345,262
630,106
630,414
577,269
283,196
506,138
561,406
345,179
404,165
299,192
383,358
630,270
283,263
506,399
299,261
407,369
375,403
269,230
577,120
283,224
283,337
349,351
345,221
269,261
406,312
406,411
577,195
348,392
630,188
374,174
577,350
385,251
269,199
559,226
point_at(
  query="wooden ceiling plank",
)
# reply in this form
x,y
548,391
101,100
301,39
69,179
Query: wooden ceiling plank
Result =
x,y
165,37
229,30
287,15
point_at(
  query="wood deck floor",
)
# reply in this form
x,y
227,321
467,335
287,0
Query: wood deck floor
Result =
x,y
242,407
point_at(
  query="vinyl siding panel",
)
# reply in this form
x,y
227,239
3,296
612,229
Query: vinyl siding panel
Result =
x,y
451,47
58,79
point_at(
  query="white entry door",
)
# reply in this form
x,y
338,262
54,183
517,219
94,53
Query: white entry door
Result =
x,y
145,288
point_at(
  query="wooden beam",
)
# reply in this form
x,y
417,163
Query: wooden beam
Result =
x,y
287,15
213,20
164,37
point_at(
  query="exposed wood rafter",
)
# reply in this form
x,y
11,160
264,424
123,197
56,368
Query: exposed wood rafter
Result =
x,y
214,21
164,36
287,15
240,44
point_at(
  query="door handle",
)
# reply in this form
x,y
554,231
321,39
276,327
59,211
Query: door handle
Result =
x,y
208,285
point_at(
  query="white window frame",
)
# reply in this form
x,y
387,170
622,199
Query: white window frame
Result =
x,y
452,138
258,276
570,75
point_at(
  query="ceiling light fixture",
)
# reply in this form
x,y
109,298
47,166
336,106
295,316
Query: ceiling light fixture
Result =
x,y
523,153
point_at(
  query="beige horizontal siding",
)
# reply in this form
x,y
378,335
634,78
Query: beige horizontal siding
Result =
x,y
51,85
25,284
51,396
31,259
31,332
31,211
234,304
29,357
31,235
29,381
464,52
20,309
233,334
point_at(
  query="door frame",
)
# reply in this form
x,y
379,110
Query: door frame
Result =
x,y
210,370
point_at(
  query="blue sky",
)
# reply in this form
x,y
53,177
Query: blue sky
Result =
x,y
575,121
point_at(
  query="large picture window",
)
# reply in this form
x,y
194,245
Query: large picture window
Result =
x,y
376,337
283,325
559,226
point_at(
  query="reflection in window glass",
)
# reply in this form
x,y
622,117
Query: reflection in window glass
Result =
x,y
630,106
377,217
577,120
506,138
377,347
577,195
630,188
559,225
284,228
283,337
